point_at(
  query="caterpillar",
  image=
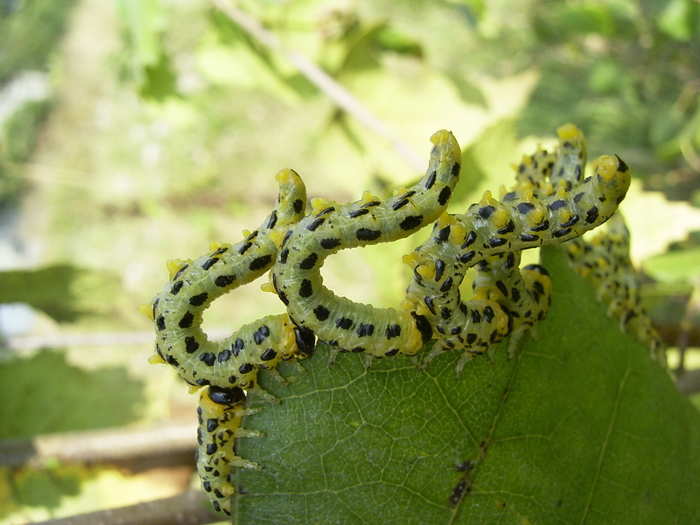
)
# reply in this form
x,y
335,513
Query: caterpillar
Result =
x,y
331,227
534,213
605,260
225,367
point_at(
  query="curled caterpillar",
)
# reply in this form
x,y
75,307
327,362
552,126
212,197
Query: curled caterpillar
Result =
x,y
225,367
605,259
332,227
529,216
178,309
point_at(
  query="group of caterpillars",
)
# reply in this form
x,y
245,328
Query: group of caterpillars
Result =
x,y
551,202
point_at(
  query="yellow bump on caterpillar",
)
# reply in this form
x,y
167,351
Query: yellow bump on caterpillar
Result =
x,y
277,237
319,204
268,287
569,132
147,311
174,266
155,359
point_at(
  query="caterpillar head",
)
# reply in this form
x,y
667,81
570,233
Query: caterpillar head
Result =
x,y
614,176
224,397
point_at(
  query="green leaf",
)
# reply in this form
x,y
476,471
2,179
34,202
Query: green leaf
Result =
x,y
674,266
582,427
679,20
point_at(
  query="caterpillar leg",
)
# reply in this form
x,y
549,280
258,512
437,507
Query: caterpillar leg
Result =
x,y
331,227
219,414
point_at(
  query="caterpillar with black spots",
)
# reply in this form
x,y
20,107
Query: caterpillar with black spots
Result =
x,y
529,216
331,227
226,367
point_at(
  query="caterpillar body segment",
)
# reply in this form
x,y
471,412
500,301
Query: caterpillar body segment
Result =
x,y
332,227
604,258
178,309
520,220
219,417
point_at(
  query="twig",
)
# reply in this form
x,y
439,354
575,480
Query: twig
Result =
x,y
188,508
139,448
336,92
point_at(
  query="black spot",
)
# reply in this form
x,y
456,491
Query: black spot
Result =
x,y
268,355
469,239
455,169
271,221
260,334
283,255
245,368
305,290
365,329
399,204
208,358
542,227
488,314
365,234
471,338
321,312
538,287
283,297
260,262
428,300
510,260
175,289
344,323
212,424
529,237
393,330
330,243
431,180
558,204
578,196
172,361
578,173
325,211
298,206
446,285
358,213
411,222
211,449
502,288
315,224
486,211
515,295
210,262
495,242
525,207
443,234
423,326
357,350
224,280
476,316
445,195
456,330
506,229
573,220
252,235
160,322
202,382
244,248
445,313
370,204
592,215
309,262
466,257
199,299
391,352
224,355
439,269
621,166
510,196
562,232
186,320
206,485
237,346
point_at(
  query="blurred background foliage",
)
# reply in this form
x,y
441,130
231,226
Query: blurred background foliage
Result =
x,y
136,131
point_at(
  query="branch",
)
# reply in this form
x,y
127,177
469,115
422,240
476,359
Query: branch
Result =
x,y
188,508
333,90
138,448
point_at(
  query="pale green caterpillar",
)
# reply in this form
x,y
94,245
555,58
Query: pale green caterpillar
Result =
x,y
605,259
225,367
521,220
332,227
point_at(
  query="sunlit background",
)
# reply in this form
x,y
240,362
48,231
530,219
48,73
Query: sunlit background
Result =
x,y
136,131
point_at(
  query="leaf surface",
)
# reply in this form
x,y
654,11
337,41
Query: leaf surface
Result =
x,y
581,427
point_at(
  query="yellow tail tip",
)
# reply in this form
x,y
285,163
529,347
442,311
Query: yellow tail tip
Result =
x,y
147,311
